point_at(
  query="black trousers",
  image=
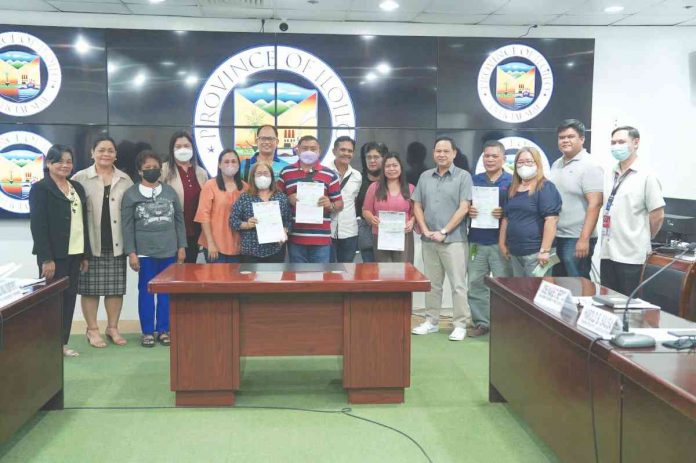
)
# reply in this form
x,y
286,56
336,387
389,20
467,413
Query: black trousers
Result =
x,y
192,249
68,267
622,278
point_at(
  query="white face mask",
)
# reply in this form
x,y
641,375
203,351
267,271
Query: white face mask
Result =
x,y
183,154
527,172
262,182
231,170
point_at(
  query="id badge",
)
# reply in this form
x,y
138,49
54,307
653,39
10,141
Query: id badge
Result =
x,y
606,226
473,249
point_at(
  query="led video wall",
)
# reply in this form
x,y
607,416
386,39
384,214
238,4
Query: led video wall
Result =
x,y
69,85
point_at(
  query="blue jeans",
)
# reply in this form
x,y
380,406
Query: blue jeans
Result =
x,y
343,250
222,258
368,255
570,266
303,253
149,268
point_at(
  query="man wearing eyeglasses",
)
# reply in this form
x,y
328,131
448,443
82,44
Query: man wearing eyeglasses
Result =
x,y
267,145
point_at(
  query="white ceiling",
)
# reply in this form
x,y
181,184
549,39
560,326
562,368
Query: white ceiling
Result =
x,y
485,12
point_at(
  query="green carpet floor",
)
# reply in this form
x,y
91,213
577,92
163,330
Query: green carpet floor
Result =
x,y
446,412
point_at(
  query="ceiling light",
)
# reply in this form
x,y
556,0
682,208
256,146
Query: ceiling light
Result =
x,y
157,1
368,37
139,79
370,76
191,80
81,45
181,73
570,64
112,68
614,9
384,68
389,5
168,63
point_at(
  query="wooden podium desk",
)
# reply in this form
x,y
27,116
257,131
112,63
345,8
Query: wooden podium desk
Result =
x,y
644,399
219,314
31,356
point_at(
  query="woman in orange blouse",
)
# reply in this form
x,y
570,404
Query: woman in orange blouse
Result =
x,y
220,243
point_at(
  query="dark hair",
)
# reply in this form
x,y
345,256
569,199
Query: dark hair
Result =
x,y
307,138
574,124
253,191
416,153
342,139
632,131
143,156
55,153
439,139
494,144
173,171
102,138
237,177
275,130
382,190
381,148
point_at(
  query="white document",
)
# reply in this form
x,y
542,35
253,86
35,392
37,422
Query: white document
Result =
x,y
269,228
485,199
391,234
306,209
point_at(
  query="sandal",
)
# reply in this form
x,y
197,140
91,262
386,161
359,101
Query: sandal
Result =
x,y
68,352
94,339
147,340
115,337
164,339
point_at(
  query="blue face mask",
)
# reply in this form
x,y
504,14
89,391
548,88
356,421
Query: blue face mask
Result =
x,y
620,152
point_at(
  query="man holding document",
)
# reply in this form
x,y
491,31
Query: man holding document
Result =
x,y
314,192
490,192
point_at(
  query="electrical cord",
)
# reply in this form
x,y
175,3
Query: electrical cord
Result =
x,y
533,26
347,411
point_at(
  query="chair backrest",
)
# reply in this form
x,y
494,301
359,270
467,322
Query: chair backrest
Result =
x,y
673,290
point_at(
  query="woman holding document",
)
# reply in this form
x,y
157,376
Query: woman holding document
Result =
x,y
389,208
219,241
262,216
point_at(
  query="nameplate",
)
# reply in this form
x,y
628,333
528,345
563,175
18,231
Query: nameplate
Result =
x,y
553,298
598,321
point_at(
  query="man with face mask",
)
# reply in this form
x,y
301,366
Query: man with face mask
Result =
x,y
309,242
631,216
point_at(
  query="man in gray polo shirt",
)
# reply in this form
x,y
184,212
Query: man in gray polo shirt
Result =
x,y
580,181
441,202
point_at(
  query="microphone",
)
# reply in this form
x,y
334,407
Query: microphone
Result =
x,y
633,340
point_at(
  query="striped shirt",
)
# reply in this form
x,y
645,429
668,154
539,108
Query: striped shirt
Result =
x,y
309,233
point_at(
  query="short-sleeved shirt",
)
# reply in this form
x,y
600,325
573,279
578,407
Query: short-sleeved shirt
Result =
x,y
638,194
344,224
488,236
214,208
525,215
243,210
392,203
440,196
574,179
311,234
277,165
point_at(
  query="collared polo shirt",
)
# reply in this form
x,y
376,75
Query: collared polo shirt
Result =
x,y
277,165
440,196
309,233
639,194
344,224
574,179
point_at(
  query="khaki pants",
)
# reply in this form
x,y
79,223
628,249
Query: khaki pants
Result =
x,y
449,259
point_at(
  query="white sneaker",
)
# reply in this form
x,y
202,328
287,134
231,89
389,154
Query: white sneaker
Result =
x,y
425,328
458,334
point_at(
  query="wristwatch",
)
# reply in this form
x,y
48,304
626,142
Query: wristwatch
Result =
x,y
443,232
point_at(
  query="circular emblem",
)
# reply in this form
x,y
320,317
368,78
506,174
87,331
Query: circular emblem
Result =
x,y
30,74
21,165
512,146
291,105
515,83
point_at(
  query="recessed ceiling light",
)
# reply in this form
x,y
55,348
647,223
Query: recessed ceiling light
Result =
x,y
614,9
140,79
389,5
191,80
368,37
384,68
81,45
570,64
370,76
157,1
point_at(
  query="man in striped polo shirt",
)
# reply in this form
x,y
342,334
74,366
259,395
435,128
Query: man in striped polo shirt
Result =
x,y
310,242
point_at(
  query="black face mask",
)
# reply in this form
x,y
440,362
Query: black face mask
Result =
x,y
151,175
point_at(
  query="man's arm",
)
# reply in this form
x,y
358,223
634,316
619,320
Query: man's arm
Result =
x,y
657,216
594,206
458,216
420,218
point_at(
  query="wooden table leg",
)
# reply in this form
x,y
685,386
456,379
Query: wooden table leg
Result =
x,y
205,398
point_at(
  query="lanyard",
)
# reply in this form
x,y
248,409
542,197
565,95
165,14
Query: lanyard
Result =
x,y
618,180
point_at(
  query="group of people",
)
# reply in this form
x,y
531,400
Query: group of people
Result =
x,y
90,226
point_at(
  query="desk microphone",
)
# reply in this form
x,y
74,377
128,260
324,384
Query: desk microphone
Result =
x,y
633,340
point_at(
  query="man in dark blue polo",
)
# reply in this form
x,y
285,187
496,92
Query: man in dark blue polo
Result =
x,y
267,145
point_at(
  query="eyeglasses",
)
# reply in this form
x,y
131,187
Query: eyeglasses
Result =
x,y
525,163
267,139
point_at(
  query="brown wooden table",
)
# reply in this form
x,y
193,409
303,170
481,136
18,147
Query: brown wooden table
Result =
x,y
644,400
31,356
219,314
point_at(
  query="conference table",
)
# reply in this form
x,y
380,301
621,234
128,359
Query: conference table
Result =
x,y
31,355
639,404
221,312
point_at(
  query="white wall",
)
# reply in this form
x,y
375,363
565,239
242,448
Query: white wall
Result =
x,y
641,78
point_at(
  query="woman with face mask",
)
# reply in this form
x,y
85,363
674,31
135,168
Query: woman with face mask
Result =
x,y
528,227
262,188
219,241
183,173
154,237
